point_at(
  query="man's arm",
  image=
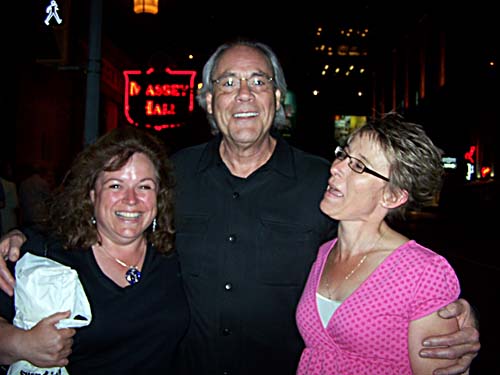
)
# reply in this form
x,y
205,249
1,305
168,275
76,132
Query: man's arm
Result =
x,y
418,331
44,345
10,248
462,345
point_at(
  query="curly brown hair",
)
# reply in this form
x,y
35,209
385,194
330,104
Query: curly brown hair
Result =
x,y
70,208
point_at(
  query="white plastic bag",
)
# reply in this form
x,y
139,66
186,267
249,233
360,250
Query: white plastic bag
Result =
x,y
44,287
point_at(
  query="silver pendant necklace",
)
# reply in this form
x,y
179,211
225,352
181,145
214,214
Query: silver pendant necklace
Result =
x,y
133,274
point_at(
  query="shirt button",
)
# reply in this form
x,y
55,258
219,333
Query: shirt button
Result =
x,y
232,238
236,195
228,286
226,332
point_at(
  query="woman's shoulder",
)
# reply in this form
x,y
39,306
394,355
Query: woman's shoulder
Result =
x,y
416,255
415,249
44,244
36,241
171,257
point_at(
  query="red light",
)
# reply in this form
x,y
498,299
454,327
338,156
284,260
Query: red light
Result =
x,y
469,154
485,171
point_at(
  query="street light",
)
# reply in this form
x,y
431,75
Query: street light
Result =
x,y
146,6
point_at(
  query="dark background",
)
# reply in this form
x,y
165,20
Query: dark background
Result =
x,y
462,228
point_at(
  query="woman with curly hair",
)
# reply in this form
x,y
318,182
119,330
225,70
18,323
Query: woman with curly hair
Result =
x,y
112,222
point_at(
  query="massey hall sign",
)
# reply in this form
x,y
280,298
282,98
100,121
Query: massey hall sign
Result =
x,y
159,100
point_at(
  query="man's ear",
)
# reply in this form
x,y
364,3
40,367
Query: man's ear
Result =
x,y
209,97
277,95
394,198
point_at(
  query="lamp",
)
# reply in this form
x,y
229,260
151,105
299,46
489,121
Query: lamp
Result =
x,y
146,6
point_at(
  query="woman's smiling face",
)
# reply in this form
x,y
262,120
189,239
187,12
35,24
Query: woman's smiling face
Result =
x,y
125,200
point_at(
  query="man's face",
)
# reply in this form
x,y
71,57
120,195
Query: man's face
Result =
x,y
245,114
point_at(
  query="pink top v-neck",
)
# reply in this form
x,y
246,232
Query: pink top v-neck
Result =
x,y
368,333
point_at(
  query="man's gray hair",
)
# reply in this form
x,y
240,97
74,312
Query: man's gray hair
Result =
x,y
208,86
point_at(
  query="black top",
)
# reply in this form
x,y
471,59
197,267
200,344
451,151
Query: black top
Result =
x,y
246,247
134,330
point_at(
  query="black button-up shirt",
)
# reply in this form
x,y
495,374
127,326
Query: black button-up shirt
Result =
x,y
246,246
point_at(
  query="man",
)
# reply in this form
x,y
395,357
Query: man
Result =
x,y
249,226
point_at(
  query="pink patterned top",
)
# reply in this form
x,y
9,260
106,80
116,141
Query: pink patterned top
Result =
x,y
368,333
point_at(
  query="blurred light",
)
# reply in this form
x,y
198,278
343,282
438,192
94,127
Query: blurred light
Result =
x,y
146,6
469,155
449,162
470,172
485,171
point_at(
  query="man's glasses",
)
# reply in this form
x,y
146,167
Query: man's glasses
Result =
x,y
355,164
256,83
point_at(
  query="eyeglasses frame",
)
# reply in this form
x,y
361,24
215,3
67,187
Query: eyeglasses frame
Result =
x,y
239,79
365,168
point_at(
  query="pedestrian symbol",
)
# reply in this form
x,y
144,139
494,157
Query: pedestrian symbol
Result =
x,y
52,12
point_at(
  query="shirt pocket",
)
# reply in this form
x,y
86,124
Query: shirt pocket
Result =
x,y
285,254
191,242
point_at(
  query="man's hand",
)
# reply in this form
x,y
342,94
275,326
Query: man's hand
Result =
x,y
10,248
462,345
48,346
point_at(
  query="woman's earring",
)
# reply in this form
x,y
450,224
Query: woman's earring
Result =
x,y
93,221
154,224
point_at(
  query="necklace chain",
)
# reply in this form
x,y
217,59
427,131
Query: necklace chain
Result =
x,y
347,277
133,274
353,271
356,268
119,261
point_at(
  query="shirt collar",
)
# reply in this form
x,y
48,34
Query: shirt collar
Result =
x,y
282,160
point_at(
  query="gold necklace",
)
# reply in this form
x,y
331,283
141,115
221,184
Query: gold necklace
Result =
x,y
133,274
349,275
356,268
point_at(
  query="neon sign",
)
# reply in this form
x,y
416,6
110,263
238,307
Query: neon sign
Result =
x,y
469,155
485,172
159,99
52,12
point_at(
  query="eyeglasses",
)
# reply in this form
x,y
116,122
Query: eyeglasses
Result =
x,y
355,164
256,83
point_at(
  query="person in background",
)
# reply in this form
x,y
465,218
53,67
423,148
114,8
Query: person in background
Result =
x,y
248,226
113,223
34,191
9,211
371,279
